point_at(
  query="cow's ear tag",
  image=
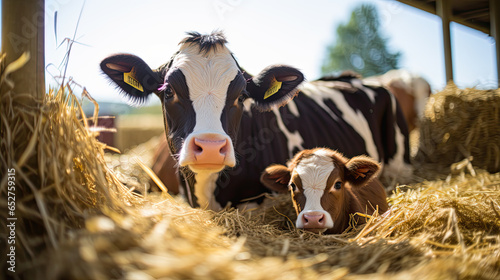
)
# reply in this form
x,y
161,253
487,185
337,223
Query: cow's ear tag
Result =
x,y
273,88
131,79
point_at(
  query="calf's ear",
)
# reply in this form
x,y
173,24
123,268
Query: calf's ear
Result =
x,y
360,170
276,85
276,177
132,76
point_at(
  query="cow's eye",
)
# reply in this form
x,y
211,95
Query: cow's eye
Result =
x,y
293,186
243,96
338,185
168,92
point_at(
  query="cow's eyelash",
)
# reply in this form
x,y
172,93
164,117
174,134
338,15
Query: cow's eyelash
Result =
x,y
167,90
163,87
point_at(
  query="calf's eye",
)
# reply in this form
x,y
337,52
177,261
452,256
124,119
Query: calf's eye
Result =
x,y
293,186
338,185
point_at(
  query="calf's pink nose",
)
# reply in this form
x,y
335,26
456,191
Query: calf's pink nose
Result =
x,y
210,151
314,220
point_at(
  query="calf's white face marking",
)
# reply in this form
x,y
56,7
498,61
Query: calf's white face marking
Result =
x,y
314,172
208,76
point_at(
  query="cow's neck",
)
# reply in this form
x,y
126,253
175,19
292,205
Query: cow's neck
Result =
x,y
198,187
187,185
204,190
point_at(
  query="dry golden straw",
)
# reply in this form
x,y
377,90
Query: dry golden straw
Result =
x,y
461,124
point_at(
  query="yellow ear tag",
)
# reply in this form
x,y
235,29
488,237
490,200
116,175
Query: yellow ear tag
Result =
x,y
130,79
275,86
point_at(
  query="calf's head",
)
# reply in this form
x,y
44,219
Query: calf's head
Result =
x,y
321,182
202,90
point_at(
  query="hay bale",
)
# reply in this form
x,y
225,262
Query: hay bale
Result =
x,y
60,175
460,124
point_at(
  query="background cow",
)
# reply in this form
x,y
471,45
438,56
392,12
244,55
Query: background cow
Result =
x,y
411,91
209,102
328,188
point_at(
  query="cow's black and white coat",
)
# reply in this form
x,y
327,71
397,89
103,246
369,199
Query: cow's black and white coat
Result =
x,y
343,115
211,104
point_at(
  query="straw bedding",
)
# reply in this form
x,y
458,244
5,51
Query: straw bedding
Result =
x,y
78,220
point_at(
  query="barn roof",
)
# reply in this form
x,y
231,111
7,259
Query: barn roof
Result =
x,y
483,15
471,13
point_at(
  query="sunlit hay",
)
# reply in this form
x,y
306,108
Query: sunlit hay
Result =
x,y
60,174
452,211
127,169
454,223
460,124
414,140
280,238
160,238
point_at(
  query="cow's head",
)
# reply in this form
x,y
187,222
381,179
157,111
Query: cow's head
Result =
x,y
320,181
202,90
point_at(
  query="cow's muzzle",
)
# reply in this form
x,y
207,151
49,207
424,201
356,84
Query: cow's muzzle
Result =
x,y
207,152
315,221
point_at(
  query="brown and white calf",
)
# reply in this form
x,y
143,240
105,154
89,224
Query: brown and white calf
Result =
x,y
328,188
223,125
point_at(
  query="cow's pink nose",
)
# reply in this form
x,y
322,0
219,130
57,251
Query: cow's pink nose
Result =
x,y
314,220
210,151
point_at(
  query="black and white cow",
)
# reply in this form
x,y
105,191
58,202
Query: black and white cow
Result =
x,y
223,126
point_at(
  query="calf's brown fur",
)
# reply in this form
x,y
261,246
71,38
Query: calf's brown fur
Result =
x,y
352,186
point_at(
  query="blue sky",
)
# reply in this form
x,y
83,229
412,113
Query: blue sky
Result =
x,y
260,33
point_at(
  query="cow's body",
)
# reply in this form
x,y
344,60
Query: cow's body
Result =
x,y
411,91
219,135
329,189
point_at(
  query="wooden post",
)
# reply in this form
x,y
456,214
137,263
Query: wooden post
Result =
x,y
495,32
443,9
23,31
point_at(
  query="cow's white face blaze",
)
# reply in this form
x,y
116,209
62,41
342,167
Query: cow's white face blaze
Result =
x,y
313,173
207,148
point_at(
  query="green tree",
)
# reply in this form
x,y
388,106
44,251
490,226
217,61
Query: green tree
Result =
x,y
360,46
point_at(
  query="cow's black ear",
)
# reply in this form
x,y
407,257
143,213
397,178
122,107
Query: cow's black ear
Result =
x,y
274,86
132,76
276,177
360,170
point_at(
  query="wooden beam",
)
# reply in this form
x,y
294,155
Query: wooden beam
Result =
x,y
495,32
472,14
23,31
430,7
443,9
